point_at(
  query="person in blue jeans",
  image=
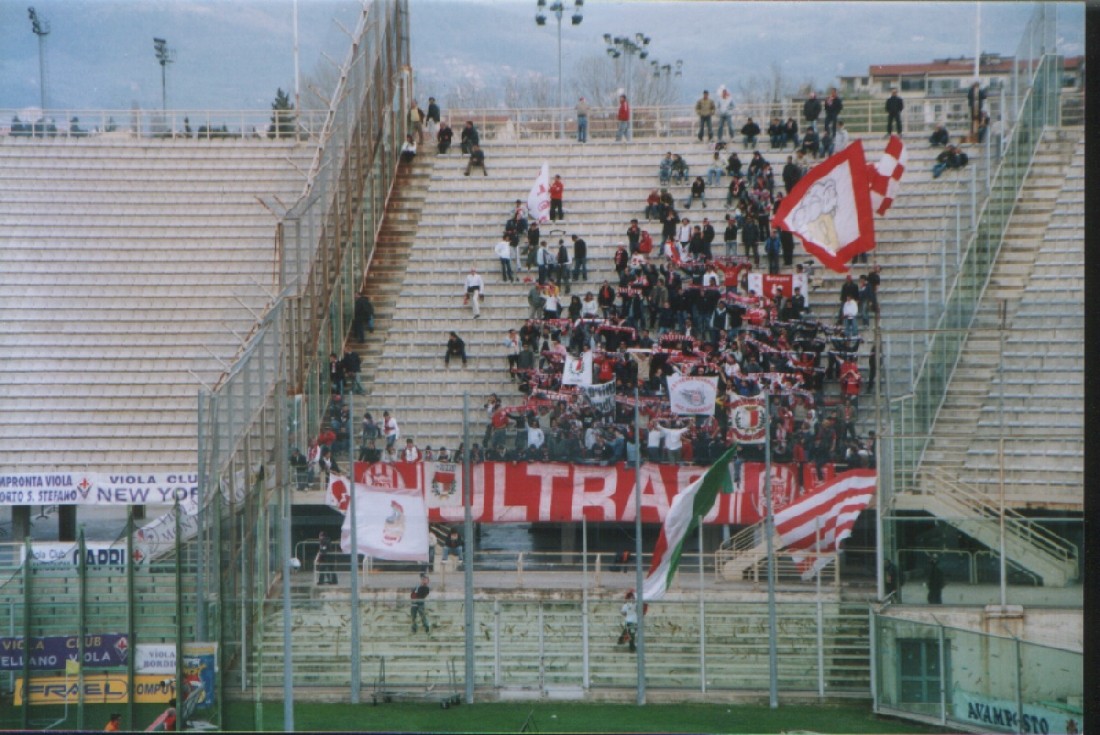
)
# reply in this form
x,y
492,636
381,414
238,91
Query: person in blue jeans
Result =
x,y
582,120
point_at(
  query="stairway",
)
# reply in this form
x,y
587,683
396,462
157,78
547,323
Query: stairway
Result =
x,y
1027,544
957,422
386,273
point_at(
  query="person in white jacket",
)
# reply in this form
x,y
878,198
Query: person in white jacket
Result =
x,y
724,107
474,290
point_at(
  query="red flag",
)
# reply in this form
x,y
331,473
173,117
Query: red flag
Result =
x,y
337,496
830,209
885,175
818,521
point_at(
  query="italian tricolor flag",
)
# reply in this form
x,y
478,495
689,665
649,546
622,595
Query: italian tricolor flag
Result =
x,y
684,515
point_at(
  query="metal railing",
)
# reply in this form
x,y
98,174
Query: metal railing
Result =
x,y
106,125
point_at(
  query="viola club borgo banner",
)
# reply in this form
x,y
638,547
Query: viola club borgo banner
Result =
x,y
530,492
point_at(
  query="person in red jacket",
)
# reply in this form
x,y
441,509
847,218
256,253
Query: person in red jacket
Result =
x,y
623,117
557,189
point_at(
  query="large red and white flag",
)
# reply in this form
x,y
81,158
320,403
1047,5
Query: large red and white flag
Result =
x,y
538,200
817,522
830,209
692,395
886,174
747,420
392,523
338,493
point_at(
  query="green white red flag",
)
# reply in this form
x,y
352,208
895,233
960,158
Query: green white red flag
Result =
x,y
684,515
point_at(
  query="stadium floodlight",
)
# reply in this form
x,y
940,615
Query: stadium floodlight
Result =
x,y
41,28
165,56
558,9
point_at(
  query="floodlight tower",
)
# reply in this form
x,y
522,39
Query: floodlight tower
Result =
x,y
41,28
558,8
165,56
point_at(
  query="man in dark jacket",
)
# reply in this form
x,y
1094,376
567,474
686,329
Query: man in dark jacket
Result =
x,y
833,106
469,137
811,109
791,174
750,239
750,131
894,106
364,316
580,258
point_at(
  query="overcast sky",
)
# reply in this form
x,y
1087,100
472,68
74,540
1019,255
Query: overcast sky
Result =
x,y
234,54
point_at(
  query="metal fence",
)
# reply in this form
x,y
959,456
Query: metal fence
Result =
x,y
128,125
927,671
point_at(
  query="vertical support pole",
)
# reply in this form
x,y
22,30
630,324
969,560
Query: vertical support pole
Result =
x,y
496,644
1002,570
81,624
356,674
181,695
702,614
639,595
285,483
769,533
131,617
586,680
943,677
820,618
468,546
200,537
542,650
1019,688
880,500
28,563
872,624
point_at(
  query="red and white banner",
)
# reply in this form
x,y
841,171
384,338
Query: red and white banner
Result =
x,y
747,420
538,200
818,521
392,523
531,492
764,284
885,175
692,395
830,209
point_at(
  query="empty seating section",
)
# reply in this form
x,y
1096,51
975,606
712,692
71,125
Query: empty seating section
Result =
x,y
605,187
129,275
1039,391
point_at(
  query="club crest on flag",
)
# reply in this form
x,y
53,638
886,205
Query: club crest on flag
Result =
x,y
394,529
443,484
747,420
830,209
338,495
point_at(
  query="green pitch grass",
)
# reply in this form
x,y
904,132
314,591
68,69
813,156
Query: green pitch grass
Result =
x,y
566,717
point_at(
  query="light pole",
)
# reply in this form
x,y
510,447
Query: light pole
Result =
x,y
41,28
630,47
165,56
558,8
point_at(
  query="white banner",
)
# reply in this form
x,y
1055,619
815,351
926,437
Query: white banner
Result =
x,y
155,658
67,553
602,396
392,524
692,395
538,201
97,488
577,370
991,714
766,285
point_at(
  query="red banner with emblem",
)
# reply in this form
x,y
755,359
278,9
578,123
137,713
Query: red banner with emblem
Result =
x,y
558,492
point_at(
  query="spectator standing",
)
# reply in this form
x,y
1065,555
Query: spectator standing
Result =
x,y
390,429
704,110
323,561
469,137
582,120
894,106
841,139
833,106
353,365
336,374
503,250
557,191
673,437
511,351
792,172
811,110
724,107
456,347
750,239
935,581
786,245
772,249
580,258
623,117
563,263
411,453
477,158
444,137
474,287
432,117
629,612
416,122
730,236
418,595
535,301
975,98
364,316
850,311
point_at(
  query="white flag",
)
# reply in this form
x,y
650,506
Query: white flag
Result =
x,y
577,370
538,201
692,395
393,523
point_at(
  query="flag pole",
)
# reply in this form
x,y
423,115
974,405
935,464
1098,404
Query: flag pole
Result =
x,y
467,546
356,681
639,579
769,532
